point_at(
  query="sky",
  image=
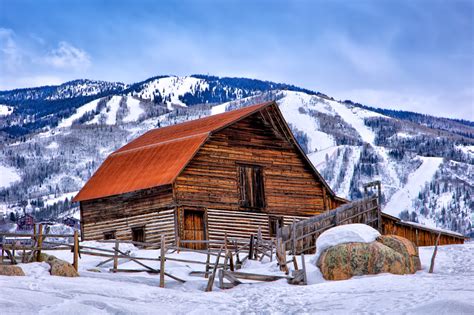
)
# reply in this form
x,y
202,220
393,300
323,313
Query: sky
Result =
x,y
413,55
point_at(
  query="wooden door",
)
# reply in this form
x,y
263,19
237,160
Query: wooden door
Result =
x,y
194,229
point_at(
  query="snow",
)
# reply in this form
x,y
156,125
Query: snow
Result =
x,y
51,200
348,233
172,88
447,291
135,110
112,107
8,175
52,146
5,110
290,105
67,122
354,116
402,199
219,109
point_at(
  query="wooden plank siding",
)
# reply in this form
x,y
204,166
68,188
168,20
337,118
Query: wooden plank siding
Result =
x,y
154,223
211,179
421,236
241,224
153,208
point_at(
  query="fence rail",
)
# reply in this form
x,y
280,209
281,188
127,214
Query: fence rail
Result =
x,y
300,237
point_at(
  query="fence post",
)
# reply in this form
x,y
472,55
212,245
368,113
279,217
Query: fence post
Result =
x,y
76,251
293,236
116,255
208,261
210,283
250,257
162,262
303,264
40,241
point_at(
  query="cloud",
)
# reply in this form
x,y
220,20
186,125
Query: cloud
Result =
x,y
10,55
66,56
26,62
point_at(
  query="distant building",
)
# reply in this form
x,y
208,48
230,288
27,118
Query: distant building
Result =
x,y
72,222
26,222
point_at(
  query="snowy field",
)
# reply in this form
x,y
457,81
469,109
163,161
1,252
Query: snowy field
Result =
x,y
450,290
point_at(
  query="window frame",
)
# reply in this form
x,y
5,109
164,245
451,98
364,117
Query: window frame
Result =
x,y
251,204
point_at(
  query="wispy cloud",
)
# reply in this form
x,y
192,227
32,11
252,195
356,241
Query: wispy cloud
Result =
x,y
66,56
25,61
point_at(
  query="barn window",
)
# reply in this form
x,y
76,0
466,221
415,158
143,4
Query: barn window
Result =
x,y
251,186
274,223
109,235
138,234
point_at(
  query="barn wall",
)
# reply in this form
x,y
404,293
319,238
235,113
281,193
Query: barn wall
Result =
x,y
155,224
419,236
120,213
240,224
210,180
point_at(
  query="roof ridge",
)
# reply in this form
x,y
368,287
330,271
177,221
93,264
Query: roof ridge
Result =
x,y
158,143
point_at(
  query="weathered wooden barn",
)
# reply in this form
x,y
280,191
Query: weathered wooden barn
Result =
x,y
229,173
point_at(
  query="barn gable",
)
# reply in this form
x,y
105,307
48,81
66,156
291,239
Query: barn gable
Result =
x,y
260,142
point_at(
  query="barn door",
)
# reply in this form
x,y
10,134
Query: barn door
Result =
x,y
194,228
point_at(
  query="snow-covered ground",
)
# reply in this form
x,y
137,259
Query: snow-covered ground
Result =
x,y
8,175
449,290
5,110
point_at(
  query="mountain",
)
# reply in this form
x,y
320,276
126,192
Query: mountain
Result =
x,y
54,138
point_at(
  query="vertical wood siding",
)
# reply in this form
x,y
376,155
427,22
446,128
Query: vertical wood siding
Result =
x,y
211,179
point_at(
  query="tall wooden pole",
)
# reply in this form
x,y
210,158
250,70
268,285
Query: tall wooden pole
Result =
x,y
76,251
162,262
40,242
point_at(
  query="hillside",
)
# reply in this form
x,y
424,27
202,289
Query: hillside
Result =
x,y
53,139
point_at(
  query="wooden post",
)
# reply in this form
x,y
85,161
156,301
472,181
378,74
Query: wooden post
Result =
x,y
434,253
251,250
295,263
281,255
303,264
208,261
116,252
210,283
231,262
178,243
40,242
293,237
162,262
76,251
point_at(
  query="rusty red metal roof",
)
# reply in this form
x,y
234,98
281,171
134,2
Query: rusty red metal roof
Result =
x,y
157,157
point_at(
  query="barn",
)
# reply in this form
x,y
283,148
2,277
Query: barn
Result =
x,y
229,173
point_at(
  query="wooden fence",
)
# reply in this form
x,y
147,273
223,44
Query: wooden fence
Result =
x,y
300,237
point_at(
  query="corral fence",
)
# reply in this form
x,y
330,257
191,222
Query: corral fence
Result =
x,y
300,237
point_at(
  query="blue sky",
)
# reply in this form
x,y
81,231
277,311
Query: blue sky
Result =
x,y
414,55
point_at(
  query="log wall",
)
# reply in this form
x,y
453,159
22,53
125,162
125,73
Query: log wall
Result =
x,y
291,187
152,208
421,236
154,223
241,224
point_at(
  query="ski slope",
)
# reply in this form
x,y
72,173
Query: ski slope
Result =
x,y
402,199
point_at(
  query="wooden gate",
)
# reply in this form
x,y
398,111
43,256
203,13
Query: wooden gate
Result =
x,y
194,228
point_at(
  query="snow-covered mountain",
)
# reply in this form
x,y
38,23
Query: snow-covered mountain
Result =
x,y
426,164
